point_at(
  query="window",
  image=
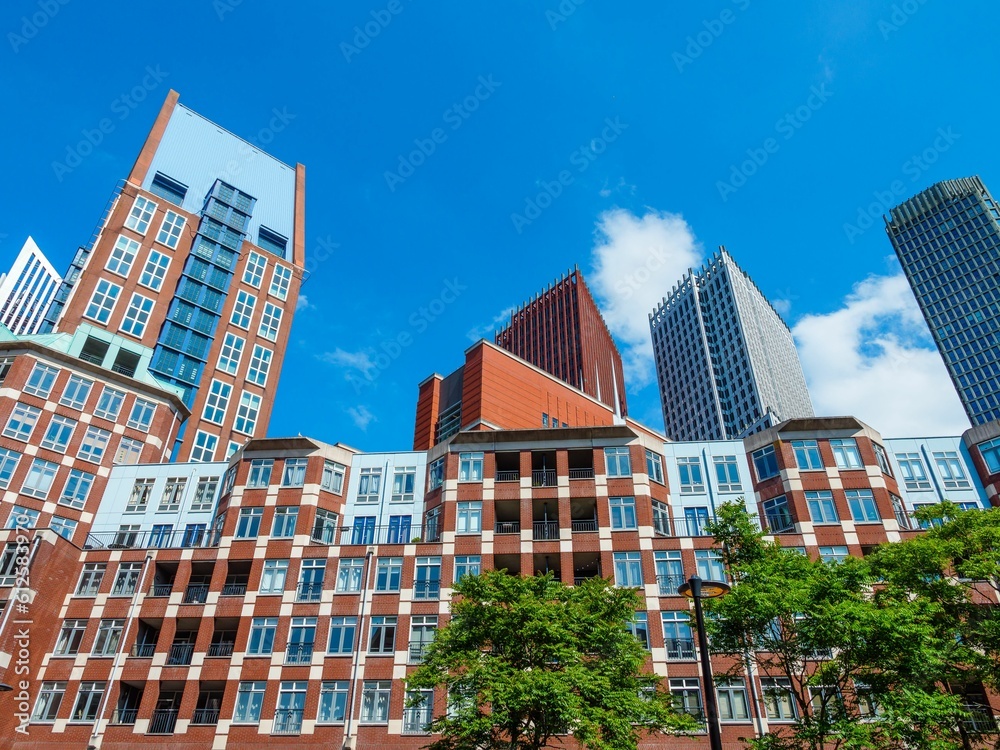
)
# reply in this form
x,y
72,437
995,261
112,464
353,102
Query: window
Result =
x,y
883,459
254,270
912,469
110,403
622,512
109,633
5,365
41,380
260,362
332,702
295,472
324,527
260,472
686,695
727,474
129,451
122,256
229,356
950,468
194,535
470,517
467,565
669,572
155,270
76,392
204,493
617,460
49,699
136,315
203,450
375,701
990,451
777,514
127,536
301,639
58,433
140,215
369,484
677,637
779,703
22,518
272,578
427,578
77,487
8,463
9,564
103,301
90,579
364,530
733,703
710,567
246,414
249,700
64,527
138,500
470,467
833,554
284,522
432,525
22,421
388,572
845,453
279,281
127,579
639,627
342,633
88,700
161,535
168,188
807,455
689,469
628,569
654,466
262,630
70,637
862,505
661,518
821,507
142,414
248,524
242,310
349,574
333,477
217,401
271,241
765,463
39,479
311,580
270,322
173,493
170,229
402,485
383,635
435,474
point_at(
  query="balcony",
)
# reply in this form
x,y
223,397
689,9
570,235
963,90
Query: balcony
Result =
x,y
577,580
196,593
543,477
143,650
205,716
542,530
287,721
416,720
309,591
163,721
125,370
430,589
404,533
581,473
669,584
679,649
299,653
221,649
180,654
234,589
507,527
124,716
417,651
584,524
161,589
509,476
149,540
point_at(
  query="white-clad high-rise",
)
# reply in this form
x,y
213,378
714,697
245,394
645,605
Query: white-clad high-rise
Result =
x,y
27,289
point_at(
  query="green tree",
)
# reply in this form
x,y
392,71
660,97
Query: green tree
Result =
x,y
525,659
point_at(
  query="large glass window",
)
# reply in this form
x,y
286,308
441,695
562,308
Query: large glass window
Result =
x,y
821,506
654,466
249,700
270,322
229,355
217,401
388,573
469,517
332,702
284,521
272,578
628,569
109,633
109,405
260,472
58,433
254,270
170,229
102,302
692,481
807,455
260,363
70,637
949,466
845,453
727,474
470,467
88,700
990,451
639,627
383,635
155,270
375,701
427,578
686,695
403,480
622,512
248,524
369,485
48,702
618,463
122,256
280,279
435,474
142,414
76,392
710,566
349,573
765,462
467,565
41,380
8,464
247,413
733,703
778,515
862,505
22,421
677,637
243,310
140,215
262,630
136,315
342,633
779,702
669,572
294,474
333,477
40,477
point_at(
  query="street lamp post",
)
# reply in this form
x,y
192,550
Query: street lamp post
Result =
x,y
697,589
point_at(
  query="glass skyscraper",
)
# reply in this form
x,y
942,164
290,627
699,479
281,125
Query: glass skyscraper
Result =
x,y
947,239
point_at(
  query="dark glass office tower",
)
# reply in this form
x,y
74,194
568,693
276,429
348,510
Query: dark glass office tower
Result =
x,y
947,239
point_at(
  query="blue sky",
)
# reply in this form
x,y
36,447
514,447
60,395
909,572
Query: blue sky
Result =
x,y
473,152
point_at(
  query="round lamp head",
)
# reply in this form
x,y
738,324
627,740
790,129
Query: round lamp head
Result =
x,y
708,589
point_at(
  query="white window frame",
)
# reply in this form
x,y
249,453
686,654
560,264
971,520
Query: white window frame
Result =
x,y
217,401
154,271
137,315
170,229
253,271
122,256
102,301
243,309
260,365
140,215
231,353
270,322
247,413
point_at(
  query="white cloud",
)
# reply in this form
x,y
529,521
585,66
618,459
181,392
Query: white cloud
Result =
x,y
636,262
361,417
360,360
486,331
621,187
874,359
302,303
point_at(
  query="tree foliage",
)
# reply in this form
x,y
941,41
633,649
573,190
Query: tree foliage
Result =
x,y
527,659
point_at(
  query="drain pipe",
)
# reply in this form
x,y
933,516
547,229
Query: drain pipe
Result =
x,y
348,737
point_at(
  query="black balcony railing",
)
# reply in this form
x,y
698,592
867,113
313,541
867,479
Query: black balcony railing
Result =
x,y
234,589
287,721
196,593
180,654
151,539
163,721
679,649
430,589
205,716
143,650
587,473
509,476
545,530
309,591
507,527
299,653
392,534
584,524
669,584
224,648
123,370
161,589
124,716
543,478
577,580
417,651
